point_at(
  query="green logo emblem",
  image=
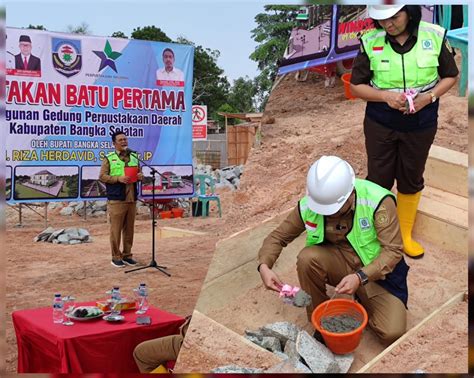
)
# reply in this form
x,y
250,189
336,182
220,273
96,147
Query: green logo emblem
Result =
x,y
427,44
364,224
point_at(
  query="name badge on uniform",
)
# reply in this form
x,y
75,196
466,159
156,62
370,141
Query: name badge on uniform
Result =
x,y
427,44
364,223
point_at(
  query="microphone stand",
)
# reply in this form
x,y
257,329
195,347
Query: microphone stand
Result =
x,y
152,263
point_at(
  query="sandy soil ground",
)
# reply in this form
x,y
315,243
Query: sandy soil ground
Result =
x,y
35,271
445,270
310,121
446,332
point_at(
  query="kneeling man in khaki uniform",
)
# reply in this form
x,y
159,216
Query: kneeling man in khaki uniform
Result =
x,y
353,242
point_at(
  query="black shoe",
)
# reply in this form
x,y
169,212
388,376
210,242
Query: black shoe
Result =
x,y
129,261
318,337
118,263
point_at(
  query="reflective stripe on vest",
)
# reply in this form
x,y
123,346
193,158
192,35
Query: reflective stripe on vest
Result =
x,y
363,235
117,166
416,69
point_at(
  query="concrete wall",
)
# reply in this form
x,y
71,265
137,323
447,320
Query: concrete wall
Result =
x,y
214,142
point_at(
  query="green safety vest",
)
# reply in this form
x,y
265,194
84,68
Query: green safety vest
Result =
x,y
117,166
363,235
416,69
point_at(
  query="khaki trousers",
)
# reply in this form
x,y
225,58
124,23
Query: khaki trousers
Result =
x,y
153,353
122,223
318,265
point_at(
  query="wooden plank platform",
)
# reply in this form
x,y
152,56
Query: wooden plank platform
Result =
x,y
443,219
447,170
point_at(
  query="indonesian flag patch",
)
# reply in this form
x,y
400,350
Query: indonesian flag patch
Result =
x,y
310,226
377,49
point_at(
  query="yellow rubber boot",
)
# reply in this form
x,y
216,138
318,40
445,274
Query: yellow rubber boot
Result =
x,y
407,205
160,370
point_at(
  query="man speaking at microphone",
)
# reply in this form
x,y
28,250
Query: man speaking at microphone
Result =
x,y
122,198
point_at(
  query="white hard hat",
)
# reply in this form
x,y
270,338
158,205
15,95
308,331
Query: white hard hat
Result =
x,y
329,184
382,12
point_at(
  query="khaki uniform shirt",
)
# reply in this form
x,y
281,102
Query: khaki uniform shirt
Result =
x,y
336,229
107,179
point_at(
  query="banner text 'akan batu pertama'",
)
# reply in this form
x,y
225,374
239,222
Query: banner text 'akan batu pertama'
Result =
x,y
61,111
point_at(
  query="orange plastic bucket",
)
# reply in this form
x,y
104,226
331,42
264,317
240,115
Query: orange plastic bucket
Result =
x,y
177,212
340,343
346,79
165,214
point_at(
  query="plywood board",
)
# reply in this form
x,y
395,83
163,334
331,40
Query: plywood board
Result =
x,y
447,236
447,170
209,345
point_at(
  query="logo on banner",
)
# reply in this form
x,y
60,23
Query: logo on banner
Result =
x,y
107,57
67,57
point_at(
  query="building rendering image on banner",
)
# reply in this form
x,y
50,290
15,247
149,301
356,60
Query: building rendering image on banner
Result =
x,y
44,178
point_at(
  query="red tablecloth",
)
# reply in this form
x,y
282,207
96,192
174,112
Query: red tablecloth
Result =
x,y
93,346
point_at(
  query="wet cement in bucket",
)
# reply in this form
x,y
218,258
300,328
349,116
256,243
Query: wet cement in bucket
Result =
x,y
340,323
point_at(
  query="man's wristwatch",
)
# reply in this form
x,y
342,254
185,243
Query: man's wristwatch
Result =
x,y
433,96
362,277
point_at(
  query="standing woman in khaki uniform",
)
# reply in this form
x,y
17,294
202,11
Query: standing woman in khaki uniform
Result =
x,y
353,242
403,53
122,197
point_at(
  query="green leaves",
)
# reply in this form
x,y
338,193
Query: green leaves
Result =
x,y
272,34
150,33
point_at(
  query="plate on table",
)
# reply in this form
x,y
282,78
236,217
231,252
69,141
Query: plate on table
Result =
x,y
113,318
84,313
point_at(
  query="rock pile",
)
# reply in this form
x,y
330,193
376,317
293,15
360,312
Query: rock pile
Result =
x,y
300,352
99,208
228,177
71,235
91,208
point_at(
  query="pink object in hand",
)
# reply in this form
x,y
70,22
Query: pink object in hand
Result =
x,y
288,291
132,173
410,95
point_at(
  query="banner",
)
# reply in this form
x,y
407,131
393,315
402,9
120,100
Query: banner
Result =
x,y
66,94
199,122
328,35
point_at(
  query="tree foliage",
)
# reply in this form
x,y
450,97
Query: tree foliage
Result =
x,y
119,34
210,86
242,95
83,29
150,33
272,34
37,27
226,108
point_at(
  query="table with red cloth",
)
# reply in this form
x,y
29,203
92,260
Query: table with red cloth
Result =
x,y
92,346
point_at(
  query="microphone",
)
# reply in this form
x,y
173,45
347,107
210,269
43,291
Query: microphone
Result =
x,y
129,151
